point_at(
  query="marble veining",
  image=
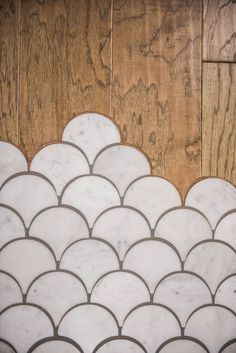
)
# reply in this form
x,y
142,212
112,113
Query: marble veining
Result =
x,y
97,255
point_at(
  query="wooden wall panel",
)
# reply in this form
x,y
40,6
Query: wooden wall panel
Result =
x,y
219,121
9,57
64,67
156,84
219,40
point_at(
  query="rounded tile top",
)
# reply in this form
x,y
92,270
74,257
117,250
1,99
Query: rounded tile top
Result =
x,y
213,197
12,161
91,132
60,163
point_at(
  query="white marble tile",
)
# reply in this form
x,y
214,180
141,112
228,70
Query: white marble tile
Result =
x,y
56,346
122,164
152,196
56,292
88,325
59,227
213,197
60,163
28,194
226,293
182,346
12,161
225,229
89,259
120,292
121,227
121,346
151,325
91,195
152,260
24,325
183,228
231,348
25,259
213,326
91,132
11,226
6,348
212,261
9,290
182,293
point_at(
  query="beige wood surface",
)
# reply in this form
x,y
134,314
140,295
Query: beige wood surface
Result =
x,y
64,66
9,58
157,83
219,40
219,121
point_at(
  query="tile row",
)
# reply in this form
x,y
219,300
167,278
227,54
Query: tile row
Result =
x,y
88,325
183,228
120,174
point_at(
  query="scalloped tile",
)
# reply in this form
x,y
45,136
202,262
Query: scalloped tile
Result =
x,y
91,195
212,261
60,163
25,259
231,348
121,227
10,291
145,322
213,326
6,348
91,132
28,194
122,164
182,293
11,226
152,196
59,227
56,292
56,346
121,346
225,229
24,325
213,197
12,161
88,325
120,292
182,346
89,259
226,293
152,260
183,228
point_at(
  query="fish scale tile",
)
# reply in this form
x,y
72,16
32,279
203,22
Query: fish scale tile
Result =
x,y
97,255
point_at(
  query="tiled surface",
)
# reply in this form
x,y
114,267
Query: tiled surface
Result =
x,y
98,255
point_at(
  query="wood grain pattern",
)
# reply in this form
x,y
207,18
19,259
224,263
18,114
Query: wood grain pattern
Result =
x,y
219,35
156,83
219,121
9,56
65,66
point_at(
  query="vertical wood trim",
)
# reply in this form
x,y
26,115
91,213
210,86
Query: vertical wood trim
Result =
x,y
9,70
219,121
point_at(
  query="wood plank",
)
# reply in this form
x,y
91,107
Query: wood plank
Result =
x,y
65,66
219,35
219,121
9,56
157,83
